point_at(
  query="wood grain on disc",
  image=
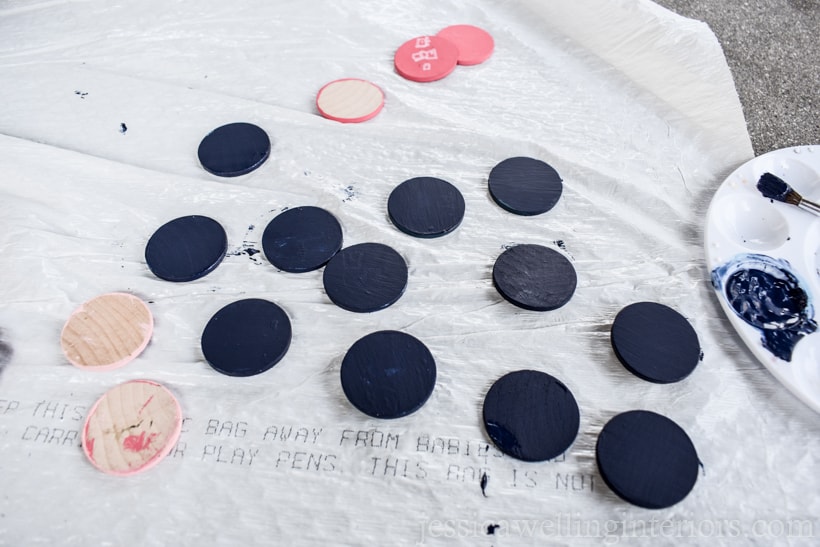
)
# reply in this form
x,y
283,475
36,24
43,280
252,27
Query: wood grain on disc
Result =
x,y
107,331
350,100
132,427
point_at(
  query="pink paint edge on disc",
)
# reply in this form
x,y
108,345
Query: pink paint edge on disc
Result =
x,y
349,120
475,44
156,458
125,360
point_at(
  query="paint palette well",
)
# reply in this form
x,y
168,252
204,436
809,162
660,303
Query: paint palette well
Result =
x,y
764,263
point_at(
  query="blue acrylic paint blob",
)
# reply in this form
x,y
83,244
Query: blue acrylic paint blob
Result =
x,y
767,295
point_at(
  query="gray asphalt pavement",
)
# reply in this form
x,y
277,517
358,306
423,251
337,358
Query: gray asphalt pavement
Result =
x,y
773,51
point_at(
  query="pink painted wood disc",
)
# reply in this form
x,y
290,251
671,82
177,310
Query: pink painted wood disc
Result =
x,y
132,427
475,45
350,100
426,58
107,331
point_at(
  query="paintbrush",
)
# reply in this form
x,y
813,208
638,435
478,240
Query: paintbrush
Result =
x,y
773,187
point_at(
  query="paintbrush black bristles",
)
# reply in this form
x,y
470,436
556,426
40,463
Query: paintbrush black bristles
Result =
x,y
774,187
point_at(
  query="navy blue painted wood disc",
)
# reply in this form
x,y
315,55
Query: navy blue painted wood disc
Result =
x,y
525,186
302,239
655,342
366,277
647,459
531,416
534,277
234,149
246,337
426,207
186,248
388,374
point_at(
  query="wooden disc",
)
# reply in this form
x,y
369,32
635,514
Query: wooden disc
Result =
x,y
388,374
132,427
234,149
426,58
350,100
107,331
475,45
366,277
647,459
531,415
655,342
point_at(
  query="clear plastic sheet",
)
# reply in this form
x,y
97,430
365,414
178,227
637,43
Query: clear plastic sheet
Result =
x,y
633,105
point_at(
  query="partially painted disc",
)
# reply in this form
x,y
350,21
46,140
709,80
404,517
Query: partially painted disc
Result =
x,y
132,427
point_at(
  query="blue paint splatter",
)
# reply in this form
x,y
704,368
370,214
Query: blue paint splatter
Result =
x,y
767,295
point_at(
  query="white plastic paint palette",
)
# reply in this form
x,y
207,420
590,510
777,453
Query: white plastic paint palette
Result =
x,y
758,253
